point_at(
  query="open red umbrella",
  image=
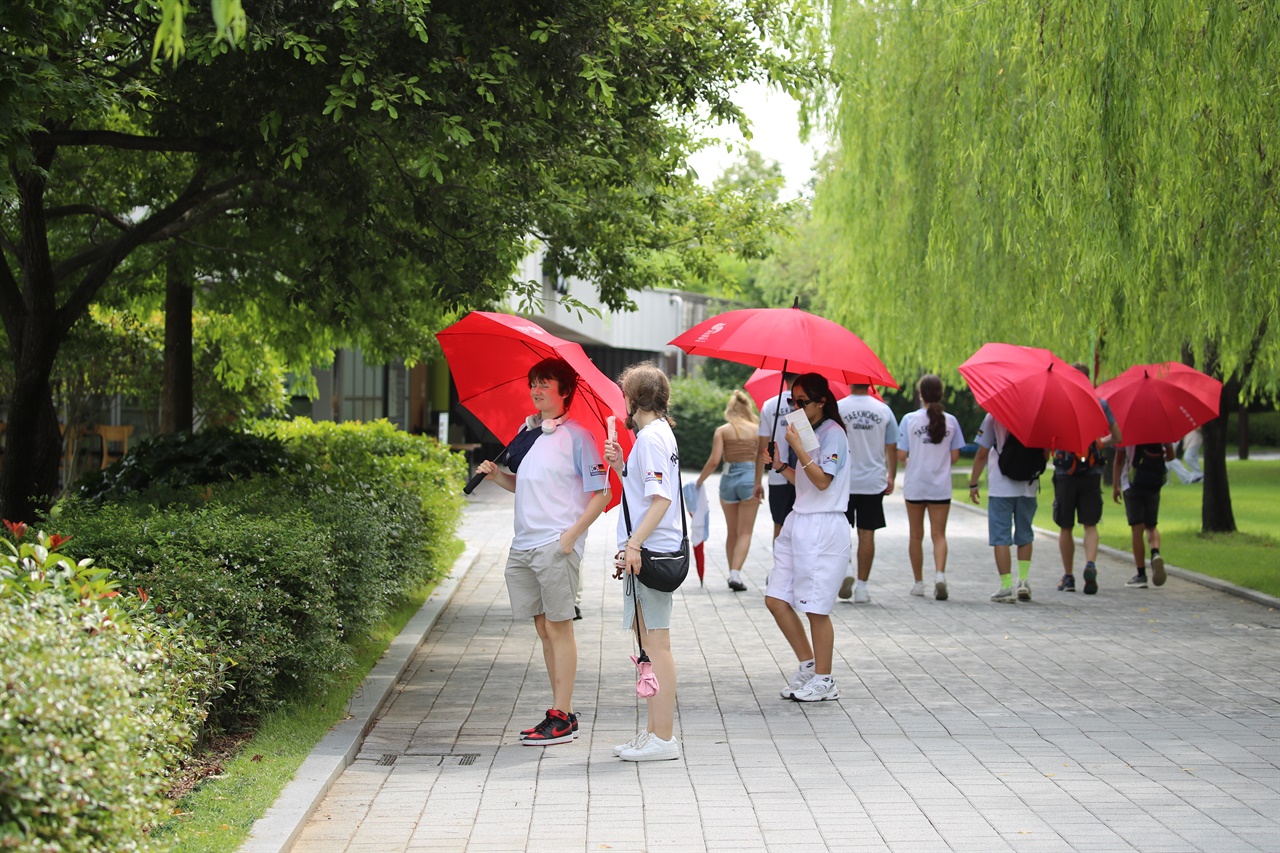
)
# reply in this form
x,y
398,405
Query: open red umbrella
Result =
x,y
787,339
490,355
1160,403
764,384
1040,398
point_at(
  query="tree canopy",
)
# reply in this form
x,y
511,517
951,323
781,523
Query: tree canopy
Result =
x,y
355,170
1075,176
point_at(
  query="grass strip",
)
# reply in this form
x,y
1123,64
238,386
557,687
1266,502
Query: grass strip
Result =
x,y
1249,557
217,815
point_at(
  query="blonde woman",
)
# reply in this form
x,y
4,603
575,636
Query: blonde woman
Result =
x,y
735,442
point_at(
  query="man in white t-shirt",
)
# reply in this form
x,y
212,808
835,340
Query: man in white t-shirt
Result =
x,y
773,425
1011,509
561,485
872,432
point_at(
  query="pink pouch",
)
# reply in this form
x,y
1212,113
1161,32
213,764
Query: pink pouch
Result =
x,y
646,681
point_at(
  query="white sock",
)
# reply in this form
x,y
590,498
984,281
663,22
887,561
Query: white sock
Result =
x,y
860,584
735,575
807,664
940,577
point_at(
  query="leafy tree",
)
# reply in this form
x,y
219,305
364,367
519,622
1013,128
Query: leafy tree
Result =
x,y
1081,176
353,171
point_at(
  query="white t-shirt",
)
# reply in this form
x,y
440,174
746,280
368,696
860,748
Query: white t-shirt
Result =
x,y
993,434
868,425
556,480
928,474
653,470
831,456
779,405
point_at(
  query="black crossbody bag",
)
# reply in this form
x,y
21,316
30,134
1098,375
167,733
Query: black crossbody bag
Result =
x,y
663,570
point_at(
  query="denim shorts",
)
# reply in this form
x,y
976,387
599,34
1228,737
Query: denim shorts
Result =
x,y
1004,515
738,483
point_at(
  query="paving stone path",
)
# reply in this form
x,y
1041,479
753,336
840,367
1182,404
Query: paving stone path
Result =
x,y
1131,720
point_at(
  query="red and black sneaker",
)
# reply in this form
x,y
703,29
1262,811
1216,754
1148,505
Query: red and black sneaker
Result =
x,y
558,727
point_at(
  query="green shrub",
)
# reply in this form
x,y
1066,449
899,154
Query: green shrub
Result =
x,y
101,701
1264,429
186,459
698,407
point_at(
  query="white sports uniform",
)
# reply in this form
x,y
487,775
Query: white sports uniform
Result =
x,y
928,474
653,470
812,551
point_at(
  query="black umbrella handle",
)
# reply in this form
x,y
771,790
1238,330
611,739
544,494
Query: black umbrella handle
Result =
x,y
479,476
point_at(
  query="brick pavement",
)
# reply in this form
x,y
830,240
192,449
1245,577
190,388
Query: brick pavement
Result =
x,y
1132,720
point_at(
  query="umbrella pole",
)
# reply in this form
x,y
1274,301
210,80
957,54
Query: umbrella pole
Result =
x,y
477,477
782,384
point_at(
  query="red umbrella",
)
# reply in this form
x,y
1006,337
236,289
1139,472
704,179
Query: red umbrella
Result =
x,y
1160,403
789,340
1040,398
764,384
490,355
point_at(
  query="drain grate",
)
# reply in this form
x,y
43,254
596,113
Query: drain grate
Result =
x,y
436,759
387,760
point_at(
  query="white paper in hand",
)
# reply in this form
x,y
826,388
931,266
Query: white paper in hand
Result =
x,y
808,440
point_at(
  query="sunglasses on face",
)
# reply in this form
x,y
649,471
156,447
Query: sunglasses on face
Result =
x,y
799,402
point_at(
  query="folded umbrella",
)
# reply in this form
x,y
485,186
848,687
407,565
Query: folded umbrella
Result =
x,y
1040,398
1160,403
489,355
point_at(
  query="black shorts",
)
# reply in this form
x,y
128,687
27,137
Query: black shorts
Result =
x,y
1142,506
928,502
782,497
1077,497
865,512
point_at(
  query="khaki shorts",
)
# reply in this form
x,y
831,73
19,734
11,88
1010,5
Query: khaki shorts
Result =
x,y
543,581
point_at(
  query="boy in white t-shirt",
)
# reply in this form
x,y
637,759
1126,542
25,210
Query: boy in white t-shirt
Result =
x,y
1011,509
561,485
872,432
773,426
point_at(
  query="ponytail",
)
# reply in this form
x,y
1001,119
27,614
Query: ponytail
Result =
x,y
930,390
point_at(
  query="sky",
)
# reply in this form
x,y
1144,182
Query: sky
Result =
x,y
776,135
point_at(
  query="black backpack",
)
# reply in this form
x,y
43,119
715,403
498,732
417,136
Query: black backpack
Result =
x,y
1019,462
1148,469
1071,465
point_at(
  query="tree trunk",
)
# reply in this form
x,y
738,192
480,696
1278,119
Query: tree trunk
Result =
x,y
1216,515
178,395
29,477
1242,434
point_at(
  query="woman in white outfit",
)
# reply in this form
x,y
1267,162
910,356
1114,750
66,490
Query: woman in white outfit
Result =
x,y
650,483
812,551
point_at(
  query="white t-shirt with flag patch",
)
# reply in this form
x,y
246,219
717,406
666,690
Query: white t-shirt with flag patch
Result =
x,y
831,456
556,481
653,470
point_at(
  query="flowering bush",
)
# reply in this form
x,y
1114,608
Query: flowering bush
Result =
x,y
101,702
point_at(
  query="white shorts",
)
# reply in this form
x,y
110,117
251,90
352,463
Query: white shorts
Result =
x,y
810,556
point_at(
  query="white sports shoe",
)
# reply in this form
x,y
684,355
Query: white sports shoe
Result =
x,y
654,748
917,588
861,595
636,741
819,689
1024,590
800,679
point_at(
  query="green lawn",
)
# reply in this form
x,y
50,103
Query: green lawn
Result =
x,y
1250,557
218,815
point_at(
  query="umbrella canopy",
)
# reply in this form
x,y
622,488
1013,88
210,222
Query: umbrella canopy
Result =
x,y
764,384
1040,398
490,354
789,340
1160,403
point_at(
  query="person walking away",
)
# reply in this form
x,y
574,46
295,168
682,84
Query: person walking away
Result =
x,y
735,442
1188,468
650,480
812,550
1140,473
782,494
872,433
1077,494
1013,483
561,487
929,442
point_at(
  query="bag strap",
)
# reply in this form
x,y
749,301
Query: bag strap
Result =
x,y
635,619
684,524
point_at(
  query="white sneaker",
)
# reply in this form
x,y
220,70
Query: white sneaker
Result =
x,y
1024,590
917,588
819,689
861,595
636,741
654,748
800,679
